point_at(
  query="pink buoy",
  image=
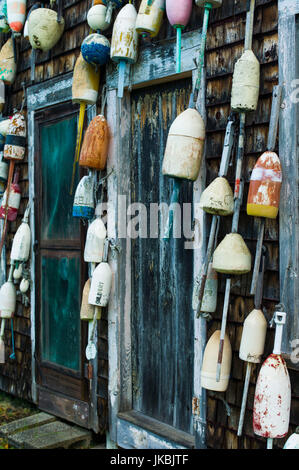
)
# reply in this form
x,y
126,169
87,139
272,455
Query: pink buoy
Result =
x,y
178,13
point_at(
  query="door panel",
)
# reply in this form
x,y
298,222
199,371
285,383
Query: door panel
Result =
x,y
60,269
162,271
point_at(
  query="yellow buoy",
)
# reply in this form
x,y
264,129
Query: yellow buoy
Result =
x,y
87,310
86,80
150,17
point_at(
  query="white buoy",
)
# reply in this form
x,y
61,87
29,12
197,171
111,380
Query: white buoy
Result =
x,y
8,298
272,400
43,29
293,441
95,239
21,243
84,205
209,365
96,18
24,285
100,285
150,17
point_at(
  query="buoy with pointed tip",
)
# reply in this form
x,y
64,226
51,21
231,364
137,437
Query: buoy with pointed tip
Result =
x,y
293,441
272,399
218,198
15,142
43,29
100,285
8,66
265,184
95,239
95,49
124,43
16,14
96,18
178,14
21,242
87,310
209,365
246,83
84,206
232,256
94,149
150,17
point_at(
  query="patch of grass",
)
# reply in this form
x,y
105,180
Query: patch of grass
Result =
x,y
11,409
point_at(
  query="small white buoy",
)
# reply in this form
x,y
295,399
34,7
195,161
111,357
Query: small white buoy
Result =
x,y
24,285
96,18
209,365
21,242
95,239
100,285
17,274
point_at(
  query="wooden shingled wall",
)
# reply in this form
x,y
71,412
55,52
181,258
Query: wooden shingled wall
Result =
x,y
224,47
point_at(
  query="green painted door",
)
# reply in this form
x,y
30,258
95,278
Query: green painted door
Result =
x,y
60,266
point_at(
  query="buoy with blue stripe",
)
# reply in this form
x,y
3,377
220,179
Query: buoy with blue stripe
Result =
x,y
95,49
178,14
16,14
84,206
124,42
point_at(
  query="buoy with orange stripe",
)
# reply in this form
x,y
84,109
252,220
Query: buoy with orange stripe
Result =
x,y
16,14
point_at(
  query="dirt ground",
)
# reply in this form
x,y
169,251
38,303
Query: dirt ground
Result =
x,y
12,408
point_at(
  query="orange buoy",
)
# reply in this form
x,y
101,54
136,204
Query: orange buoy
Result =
x,y
265,185
95,144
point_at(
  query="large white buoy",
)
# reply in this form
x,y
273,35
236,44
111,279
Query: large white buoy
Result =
x,y
184,147
150,17
232,256
246,83
95,239
43,29
21,243
209,365
272,400
100,285
84,205
124,43
8,66
16,13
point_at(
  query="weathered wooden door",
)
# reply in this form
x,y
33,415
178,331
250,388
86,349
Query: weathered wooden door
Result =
x,y
60,270
162,271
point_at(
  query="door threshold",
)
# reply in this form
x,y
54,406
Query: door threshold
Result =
x,y
138,431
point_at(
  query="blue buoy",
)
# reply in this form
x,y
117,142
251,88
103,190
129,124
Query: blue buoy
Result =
x,y
95,49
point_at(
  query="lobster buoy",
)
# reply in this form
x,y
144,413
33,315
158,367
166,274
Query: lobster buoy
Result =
x,y
100,285
184,147
25,30
17,274
214,3
43,29
96,18
8,66
218,198
272,400
84,206
13,201
246,83
24,285
2,95
4,26
16,13
178,14
124,43
94,149
95,239
95,49
21,242
8,299
3,165
209,365
232,256
150,17
15,143
253,337
85,82
87,310
293,441
209,301
265,185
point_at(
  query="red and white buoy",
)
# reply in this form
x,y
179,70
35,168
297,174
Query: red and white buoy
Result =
x,y
16,14
272,400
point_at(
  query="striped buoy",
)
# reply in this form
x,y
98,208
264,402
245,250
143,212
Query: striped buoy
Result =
x,y
15,144
16,13
13,201
84,198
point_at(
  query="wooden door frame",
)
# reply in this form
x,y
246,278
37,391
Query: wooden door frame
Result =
x,y
128,428
42,96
